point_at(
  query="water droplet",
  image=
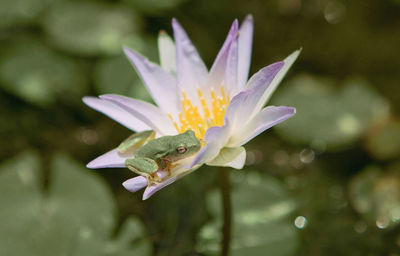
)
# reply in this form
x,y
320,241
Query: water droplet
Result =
x,y
360,227
300,222
334,12
307,156
382,222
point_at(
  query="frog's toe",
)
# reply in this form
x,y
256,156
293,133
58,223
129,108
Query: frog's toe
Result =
x,y
156,177
153,179
169,168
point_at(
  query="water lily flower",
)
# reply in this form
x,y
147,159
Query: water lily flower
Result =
x,y
223,108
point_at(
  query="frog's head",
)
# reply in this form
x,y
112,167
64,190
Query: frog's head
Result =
x,y
185,145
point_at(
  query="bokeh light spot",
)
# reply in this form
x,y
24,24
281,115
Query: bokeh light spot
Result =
x,y
307,156
300,222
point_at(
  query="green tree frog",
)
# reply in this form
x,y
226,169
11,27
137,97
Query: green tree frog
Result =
x,y
152,155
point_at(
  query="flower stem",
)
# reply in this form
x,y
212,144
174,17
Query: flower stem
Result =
x,y
226,210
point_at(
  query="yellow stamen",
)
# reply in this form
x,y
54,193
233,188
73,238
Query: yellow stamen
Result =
x,y
198,121
175,124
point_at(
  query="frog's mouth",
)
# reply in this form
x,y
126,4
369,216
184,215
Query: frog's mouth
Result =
x,y
198,118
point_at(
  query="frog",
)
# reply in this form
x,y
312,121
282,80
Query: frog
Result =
x,y
153,154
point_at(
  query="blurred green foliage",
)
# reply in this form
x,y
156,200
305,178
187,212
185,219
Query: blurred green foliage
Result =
x,y
37,74
261,227
88,28
316,99
326,182
75,215
375,193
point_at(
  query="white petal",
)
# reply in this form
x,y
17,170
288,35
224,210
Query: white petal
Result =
x,y
191,70
245,49
274,84
166,48
115,112
231,157
160,83
111,159
135,184
216,137
146,112
231,73
149,191
241,107
224,69
264,120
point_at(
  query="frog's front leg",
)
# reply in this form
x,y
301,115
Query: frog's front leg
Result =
x,y
166,165
146,167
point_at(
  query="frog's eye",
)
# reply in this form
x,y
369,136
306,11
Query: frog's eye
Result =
x,y
181,150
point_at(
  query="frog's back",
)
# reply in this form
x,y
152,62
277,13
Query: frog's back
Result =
x,y
154,149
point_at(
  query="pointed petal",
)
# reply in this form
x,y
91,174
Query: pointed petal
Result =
x,y
111,159
264,120
116,113
216,138
230,157
241,107
146,112
135,184
181,172
191,70
277,79
245,49
149,191
224,69
160,83
167,52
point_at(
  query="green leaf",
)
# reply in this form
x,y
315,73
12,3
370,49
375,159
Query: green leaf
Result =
x,y
326,117
89,28
260,224
35,73
20,12
384,141
75,217
21,204
375,193
116,75
154,6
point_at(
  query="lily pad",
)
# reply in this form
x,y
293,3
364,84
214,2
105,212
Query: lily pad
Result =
x,y
375,194
76,216
154,6
89,28
384,141
35,73
20,12
260,218
327,117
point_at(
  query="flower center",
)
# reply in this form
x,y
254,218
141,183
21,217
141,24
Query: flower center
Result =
x,y
212,113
